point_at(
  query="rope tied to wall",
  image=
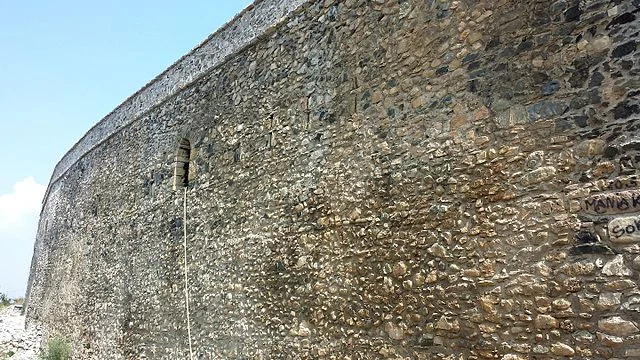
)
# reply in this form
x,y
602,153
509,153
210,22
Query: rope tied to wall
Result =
x,y
186,273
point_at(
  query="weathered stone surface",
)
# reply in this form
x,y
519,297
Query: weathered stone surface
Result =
x,y
579,268
400,269
546,110
610,340
304,329
591,147
394,331
546,322
608,301
514,357
488,303
632,304
625,229
616,267
550,87
561,349
632,353
540,349
561,304
437,250
612,203
447,325
539,175
619,285
583,337
617,326
516,115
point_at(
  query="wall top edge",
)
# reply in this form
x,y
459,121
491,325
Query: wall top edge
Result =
x,y
230,38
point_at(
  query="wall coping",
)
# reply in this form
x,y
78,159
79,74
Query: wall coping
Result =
x,y
229,39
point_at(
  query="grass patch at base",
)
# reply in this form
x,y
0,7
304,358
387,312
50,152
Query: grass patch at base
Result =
x,y
57,349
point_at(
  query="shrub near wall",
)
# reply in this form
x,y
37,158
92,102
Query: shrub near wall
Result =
x,y
56,349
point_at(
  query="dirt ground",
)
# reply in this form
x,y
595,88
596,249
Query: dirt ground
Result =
x,y
15,339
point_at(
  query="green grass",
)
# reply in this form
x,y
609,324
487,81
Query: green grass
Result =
x,y
57,349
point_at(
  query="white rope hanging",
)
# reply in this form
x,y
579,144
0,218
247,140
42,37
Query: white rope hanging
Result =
x,y
186,273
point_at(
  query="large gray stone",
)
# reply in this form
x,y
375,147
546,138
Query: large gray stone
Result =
x,y
625,230
616,267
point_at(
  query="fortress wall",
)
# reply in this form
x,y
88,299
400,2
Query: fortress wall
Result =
x,y
372,179
245,28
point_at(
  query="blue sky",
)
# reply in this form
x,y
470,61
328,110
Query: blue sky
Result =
x,y
65,64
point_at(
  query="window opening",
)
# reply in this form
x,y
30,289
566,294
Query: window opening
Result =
x,y
270,139
237,153
181,167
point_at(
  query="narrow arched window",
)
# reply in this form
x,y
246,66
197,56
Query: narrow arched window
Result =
x,y
237,153
181,165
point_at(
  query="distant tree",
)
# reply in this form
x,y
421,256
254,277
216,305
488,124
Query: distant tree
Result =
x,y
4,300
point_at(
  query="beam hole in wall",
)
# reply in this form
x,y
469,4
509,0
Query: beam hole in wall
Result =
x,y
237,153
181,165
270,141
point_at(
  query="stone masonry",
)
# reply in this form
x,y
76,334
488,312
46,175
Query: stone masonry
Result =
x,y
362,179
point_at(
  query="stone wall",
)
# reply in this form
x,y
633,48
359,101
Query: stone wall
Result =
x,y
369,179
257,19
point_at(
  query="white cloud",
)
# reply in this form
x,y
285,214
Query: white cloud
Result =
x,y
20,205
19,212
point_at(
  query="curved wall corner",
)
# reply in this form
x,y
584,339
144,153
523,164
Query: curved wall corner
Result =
x,y
257,19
